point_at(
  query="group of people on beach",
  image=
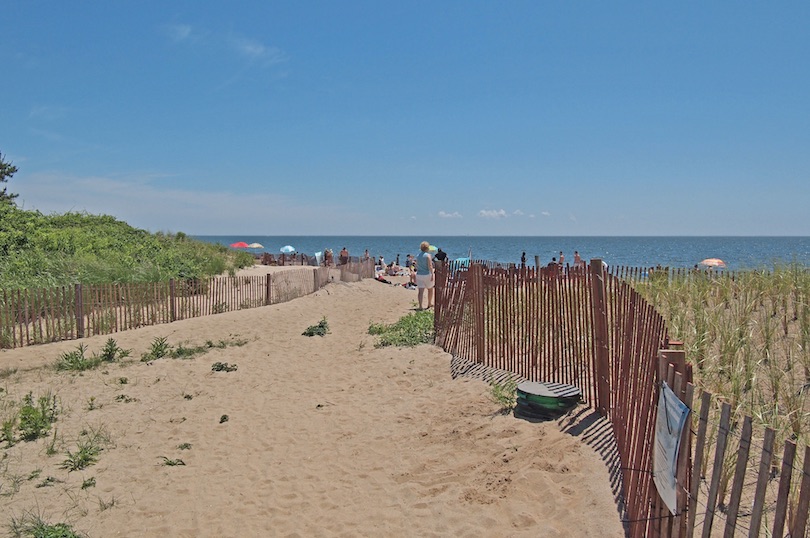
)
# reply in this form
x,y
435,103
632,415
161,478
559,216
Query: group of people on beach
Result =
x,y
420,268
559,265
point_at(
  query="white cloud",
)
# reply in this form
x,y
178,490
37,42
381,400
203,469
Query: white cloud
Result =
x,y
492,213
572,217
517,213
453,215
545,213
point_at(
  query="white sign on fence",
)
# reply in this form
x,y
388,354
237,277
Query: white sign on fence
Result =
x,y
669,423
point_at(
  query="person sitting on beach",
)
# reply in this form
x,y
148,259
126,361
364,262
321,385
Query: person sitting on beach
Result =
x,y
343,257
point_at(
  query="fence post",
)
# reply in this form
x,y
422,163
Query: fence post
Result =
x,y
476,278
79,311
600,324
172,296
269,286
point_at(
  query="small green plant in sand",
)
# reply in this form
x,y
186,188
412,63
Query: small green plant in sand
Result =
x,y
321,329
48,481
504,394
31,525
172,463
224,418
112,353
185,446
88,483
411,330
36,418
7,430
160,348
92,404
223,367
75,360
50,448
88,448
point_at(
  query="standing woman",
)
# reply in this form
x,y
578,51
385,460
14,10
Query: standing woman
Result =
x,y
424,274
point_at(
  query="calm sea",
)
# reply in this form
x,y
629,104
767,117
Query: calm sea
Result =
x,y
737,252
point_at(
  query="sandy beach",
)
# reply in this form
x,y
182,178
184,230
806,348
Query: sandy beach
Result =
x,y
309,436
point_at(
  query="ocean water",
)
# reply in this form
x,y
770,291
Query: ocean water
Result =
x,y
737,252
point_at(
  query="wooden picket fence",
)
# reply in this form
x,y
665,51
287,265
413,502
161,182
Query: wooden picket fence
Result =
x,y
37,316
591,329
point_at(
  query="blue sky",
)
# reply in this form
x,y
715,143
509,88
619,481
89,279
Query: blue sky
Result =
x,y
408,118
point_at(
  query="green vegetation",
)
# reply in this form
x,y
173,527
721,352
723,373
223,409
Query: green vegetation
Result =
x,y
161,348
223,367
88,448
320,329
172,463
504,394
77,362
31,525
748,337
45,251
411,330
35,418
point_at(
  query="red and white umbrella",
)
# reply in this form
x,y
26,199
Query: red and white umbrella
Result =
x,y
239,244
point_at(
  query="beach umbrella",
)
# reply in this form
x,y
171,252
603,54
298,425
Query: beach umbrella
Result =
x,y
433,248
255,245
713,262
239,244
287,249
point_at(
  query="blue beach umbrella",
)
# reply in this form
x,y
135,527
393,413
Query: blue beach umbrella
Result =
x,y
287,249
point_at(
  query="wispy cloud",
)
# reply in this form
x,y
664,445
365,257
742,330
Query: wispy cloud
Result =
x,y
47,113
446,215
545,213
492,214
178,32
169,209
517,213
258,52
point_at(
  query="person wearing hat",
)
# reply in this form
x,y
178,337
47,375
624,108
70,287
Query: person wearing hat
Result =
x,y
425,276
